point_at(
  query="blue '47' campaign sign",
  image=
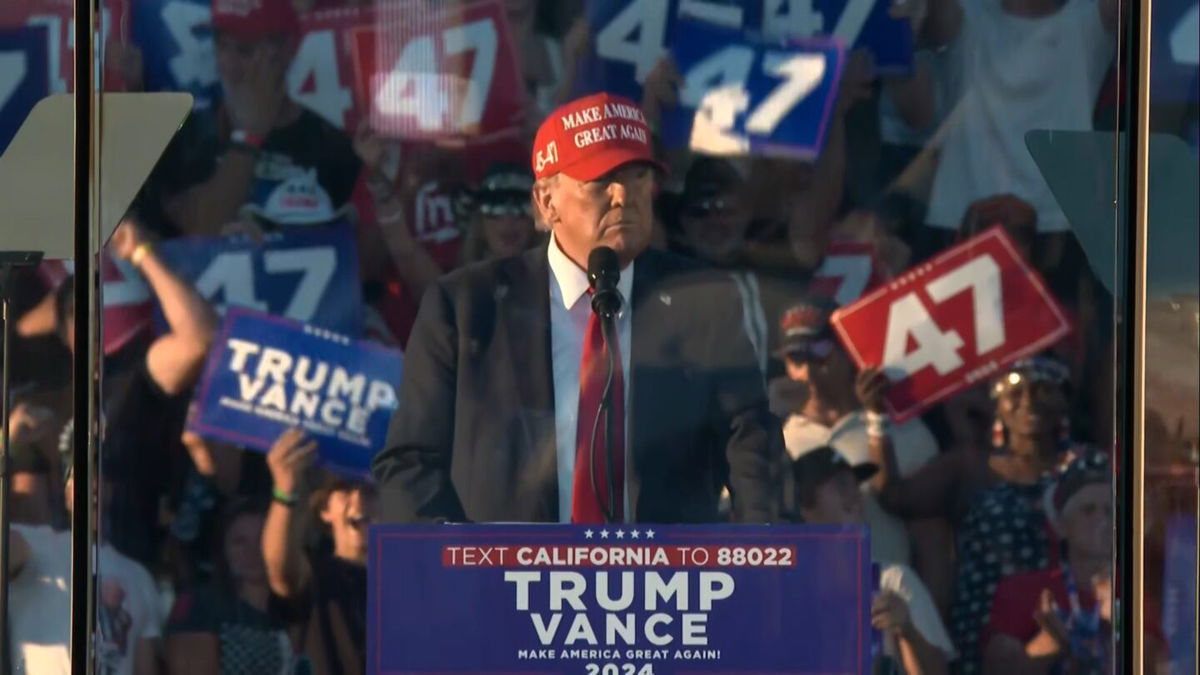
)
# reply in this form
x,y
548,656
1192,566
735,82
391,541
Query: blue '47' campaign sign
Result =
x,y
308,275
175,37
618,599
630,36
740,98
266,374
24,77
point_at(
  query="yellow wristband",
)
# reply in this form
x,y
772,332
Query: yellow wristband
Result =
x,y
139,254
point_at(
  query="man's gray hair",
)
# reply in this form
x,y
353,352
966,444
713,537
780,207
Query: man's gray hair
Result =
x,y
543,183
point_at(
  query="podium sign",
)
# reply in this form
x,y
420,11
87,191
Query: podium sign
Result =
x,y
618,600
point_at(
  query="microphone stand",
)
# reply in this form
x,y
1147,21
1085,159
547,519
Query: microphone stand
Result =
x,y
603,274
10,261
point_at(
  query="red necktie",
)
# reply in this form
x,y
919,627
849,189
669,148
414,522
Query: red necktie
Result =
x,y
588,503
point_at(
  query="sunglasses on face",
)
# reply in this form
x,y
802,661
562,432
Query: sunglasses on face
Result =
x,y
809,352
505,209
707,207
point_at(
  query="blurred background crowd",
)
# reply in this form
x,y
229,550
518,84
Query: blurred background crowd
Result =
x,y
990,515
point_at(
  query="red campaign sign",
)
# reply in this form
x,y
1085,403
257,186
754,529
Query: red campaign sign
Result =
x,y
952,321
424,71
850,268
128,302
58,16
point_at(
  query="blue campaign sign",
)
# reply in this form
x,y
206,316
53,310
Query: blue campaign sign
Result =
x,y
630,36
1179,593
618,600
855,23
1175,52
740,98
266,374
309,275
24,77
175,37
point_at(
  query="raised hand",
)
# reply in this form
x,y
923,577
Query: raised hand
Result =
x,y
871,385
288,459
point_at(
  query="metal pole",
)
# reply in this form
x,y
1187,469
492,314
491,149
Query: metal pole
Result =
x,y
1134,186
82,537
5,647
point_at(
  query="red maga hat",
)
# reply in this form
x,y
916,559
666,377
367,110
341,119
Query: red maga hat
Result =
x,y
591,136
255,19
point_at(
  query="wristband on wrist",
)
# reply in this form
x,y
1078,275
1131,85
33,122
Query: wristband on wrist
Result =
x,y
240,137
286,498
877,424
139,254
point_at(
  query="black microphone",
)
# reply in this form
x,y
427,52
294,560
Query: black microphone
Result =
x,y
604,271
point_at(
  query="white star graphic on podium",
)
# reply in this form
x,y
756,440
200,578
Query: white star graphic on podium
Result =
x,y
587,534
604,534
620,534
634,534
649,534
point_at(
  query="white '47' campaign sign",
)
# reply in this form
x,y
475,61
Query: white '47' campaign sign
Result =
x,y
952,321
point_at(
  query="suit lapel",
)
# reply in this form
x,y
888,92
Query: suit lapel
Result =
x,y
524,307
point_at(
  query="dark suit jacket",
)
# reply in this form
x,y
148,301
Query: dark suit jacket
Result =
x,y
474,436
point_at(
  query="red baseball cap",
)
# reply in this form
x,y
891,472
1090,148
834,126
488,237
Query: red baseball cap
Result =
x,y
591,136
255,19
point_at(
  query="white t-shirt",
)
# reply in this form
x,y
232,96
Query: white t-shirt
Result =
x,y
914,445
908,585
128,609
1011,75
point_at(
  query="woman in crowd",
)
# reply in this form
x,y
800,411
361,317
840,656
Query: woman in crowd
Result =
x,y
994,498
499,215
237,625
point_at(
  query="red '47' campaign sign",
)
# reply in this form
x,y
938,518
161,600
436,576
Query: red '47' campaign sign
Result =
x,y
952,321
850,269
423,70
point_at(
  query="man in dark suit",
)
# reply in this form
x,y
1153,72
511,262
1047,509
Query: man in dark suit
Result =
x,y
506,365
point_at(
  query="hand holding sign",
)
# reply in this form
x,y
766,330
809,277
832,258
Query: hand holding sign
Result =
x,y
871,386
951,322
288,459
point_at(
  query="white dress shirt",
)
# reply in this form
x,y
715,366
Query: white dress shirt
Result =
x,y
570,310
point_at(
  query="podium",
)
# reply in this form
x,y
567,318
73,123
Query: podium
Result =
x,y
619,599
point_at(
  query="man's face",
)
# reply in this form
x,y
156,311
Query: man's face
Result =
x,y
715,227
348,513
836,501
238,58
615,210
1087,521
828,373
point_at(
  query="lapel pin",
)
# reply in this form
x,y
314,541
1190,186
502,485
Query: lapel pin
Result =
x,y
501,292
666,299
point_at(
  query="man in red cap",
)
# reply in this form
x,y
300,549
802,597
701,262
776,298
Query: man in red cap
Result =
x,y
260,160
510,390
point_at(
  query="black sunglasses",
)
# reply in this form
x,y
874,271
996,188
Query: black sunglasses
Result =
x,y
703,208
